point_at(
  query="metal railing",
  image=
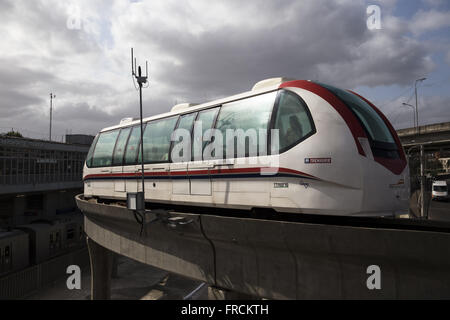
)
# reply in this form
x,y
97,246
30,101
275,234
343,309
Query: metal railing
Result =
x,y
19,179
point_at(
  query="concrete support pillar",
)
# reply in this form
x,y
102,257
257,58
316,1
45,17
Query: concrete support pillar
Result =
x,y
115,266
223,294
101,269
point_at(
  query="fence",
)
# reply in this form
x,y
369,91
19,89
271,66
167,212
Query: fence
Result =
x,y
22,283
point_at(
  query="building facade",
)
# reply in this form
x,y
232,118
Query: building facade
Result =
x,y
39,179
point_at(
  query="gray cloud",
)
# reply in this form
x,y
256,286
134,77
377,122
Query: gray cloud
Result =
x,y
198,51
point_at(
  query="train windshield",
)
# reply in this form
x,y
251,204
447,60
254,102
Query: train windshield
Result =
x,y
381,139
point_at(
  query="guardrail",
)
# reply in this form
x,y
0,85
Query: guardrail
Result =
x,y
284,259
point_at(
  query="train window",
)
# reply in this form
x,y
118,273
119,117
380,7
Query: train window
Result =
x,y
249,115
381,140
157,140
133,146
104,149
186,122
119,150
91,152
205,121
293,121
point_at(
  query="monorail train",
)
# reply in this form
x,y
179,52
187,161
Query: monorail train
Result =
x,y
319,150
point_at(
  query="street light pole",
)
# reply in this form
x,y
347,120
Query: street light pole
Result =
x,y
51,110
422,181
417,109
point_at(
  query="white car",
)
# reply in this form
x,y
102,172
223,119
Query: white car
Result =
x,y
440,190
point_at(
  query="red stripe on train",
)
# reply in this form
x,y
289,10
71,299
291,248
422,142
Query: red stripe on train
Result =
x,y
200,172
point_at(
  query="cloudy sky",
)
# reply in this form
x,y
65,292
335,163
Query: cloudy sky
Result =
x,y
201,50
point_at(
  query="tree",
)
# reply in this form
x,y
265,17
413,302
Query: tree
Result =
x,y
13,133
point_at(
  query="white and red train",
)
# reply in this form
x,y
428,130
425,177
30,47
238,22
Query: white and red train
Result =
x,y
337,154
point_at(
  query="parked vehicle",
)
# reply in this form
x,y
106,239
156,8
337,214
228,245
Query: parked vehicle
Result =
x,y
439,190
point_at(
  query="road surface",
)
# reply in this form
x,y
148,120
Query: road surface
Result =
x,y
134,281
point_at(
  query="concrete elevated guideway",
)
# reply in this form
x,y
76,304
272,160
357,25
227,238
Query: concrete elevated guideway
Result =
x,y
436,136
320,258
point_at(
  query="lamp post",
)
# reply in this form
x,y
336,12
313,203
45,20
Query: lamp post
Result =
x,y
417,109
52,96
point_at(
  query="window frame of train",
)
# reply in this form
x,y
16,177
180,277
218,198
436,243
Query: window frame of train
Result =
x,y
151,125
99,143
121,158
90,153
274,117
191,133
267,97
270,123
204,143
138,141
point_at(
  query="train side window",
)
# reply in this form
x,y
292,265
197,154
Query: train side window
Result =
x,y
157,140
133,146
91,152
205,121
186,123
250,115
293,120
104,149
119,150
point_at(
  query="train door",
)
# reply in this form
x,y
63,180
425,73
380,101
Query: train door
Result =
x,y
181,155
117,162
200,171
180,179
200,178
157,140
244,126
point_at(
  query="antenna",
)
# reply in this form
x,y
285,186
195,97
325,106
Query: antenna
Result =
x,y
139,211
139,77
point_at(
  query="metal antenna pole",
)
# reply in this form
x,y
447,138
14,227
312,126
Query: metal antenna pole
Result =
x,y
140,80
142,134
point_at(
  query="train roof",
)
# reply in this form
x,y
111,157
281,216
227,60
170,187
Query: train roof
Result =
x,y
260,87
